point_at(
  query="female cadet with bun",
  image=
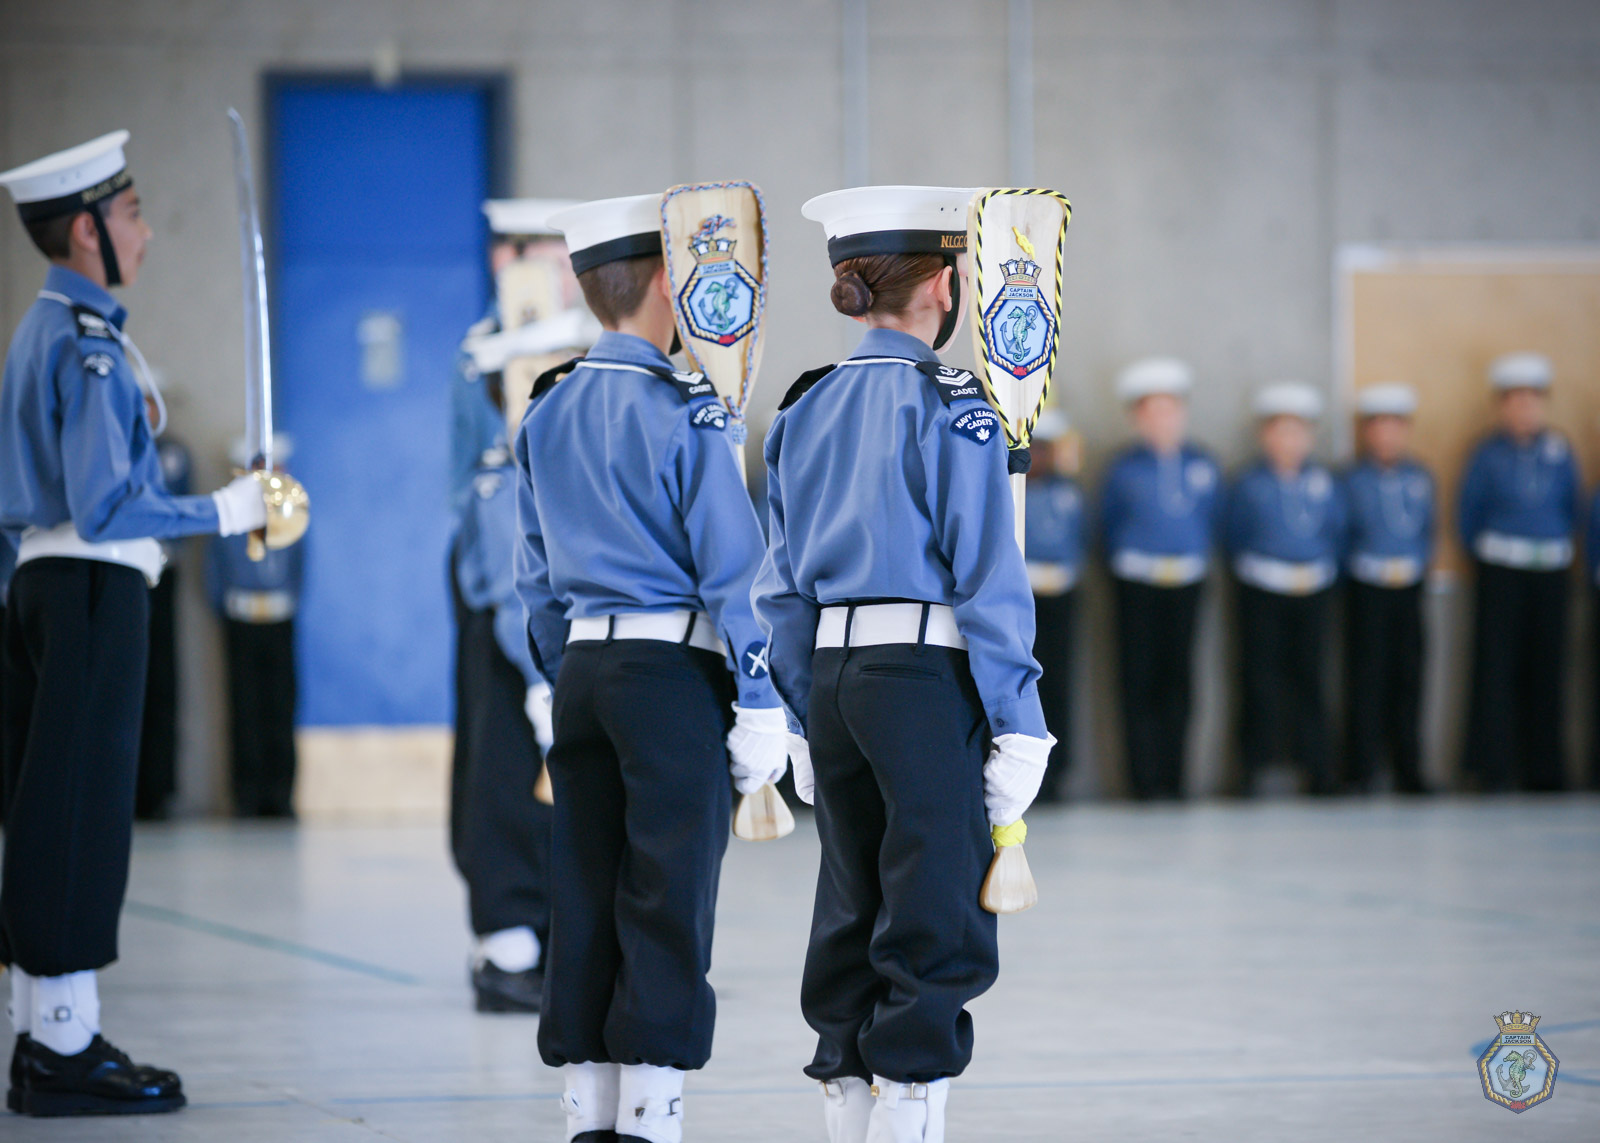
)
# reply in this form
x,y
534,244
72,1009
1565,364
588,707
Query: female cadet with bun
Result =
x,y
900,619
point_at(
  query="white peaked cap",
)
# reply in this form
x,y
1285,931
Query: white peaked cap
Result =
x,y
282,450
861,221
1392,400
1521,371
524,215
570,329
609,229
1289,399
1052,425
1152,375
69,180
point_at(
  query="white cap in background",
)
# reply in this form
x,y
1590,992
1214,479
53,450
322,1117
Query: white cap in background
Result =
x,y
1150,376
1289,399
1520,371
610,229
1387,400
863,221
1052,425
514,217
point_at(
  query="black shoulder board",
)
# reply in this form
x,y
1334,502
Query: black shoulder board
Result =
x,y
953,384
690,385
803,384
91,324
546,380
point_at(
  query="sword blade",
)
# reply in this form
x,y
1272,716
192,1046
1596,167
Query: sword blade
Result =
x,y
257,343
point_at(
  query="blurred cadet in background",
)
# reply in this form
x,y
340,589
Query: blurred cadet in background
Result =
x,y
1519,509
8,563
1055,529
1390,541
1284,533
158,740
1592,547
1158,519
257,601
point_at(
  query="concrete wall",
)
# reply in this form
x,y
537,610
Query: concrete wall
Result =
x,y
1216,153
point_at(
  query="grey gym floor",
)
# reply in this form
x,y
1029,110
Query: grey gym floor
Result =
x,y
1279,971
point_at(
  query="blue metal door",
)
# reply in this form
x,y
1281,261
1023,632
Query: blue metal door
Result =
x,y
379,240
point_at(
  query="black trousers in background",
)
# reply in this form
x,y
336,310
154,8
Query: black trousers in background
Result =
x,y
158,743
1052,647
1515,723
1282,640
74,659
261,689
499,832
899,943
640,824
1155,643
1383,688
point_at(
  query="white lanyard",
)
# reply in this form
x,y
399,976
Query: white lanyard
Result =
x,y
141,368
1397,516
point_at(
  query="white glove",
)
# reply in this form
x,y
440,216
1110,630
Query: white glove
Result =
x,y
805,779
758,746
240,506
1012,775
537,707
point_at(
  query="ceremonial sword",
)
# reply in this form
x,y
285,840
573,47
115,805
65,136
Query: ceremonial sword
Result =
x,y
288,506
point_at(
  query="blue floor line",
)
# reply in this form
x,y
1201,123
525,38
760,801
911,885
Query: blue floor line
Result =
x,y
233,933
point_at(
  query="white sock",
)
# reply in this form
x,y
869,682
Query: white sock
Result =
x,y
509,950
20,1006
846,1109
650,1103
908,1112
590,1100
66,1011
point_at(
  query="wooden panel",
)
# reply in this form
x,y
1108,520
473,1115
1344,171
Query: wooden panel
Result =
x,y
1436,323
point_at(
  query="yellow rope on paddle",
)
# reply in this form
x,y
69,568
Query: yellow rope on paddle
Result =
x,y
1014,834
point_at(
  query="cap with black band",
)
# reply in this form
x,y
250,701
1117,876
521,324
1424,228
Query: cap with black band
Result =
x,y
81,178
610,229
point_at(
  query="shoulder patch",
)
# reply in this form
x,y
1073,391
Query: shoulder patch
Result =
x,y
981,425
546,380
91,324
953,384
711,414
100,363
803,385
690,385
754,662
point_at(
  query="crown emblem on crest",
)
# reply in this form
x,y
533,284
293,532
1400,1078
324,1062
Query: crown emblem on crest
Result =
x,y
1517,1023
1020,272
707,246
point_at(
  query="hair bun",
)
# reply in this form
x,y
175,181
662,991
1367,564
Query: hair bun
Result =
x,y
850,294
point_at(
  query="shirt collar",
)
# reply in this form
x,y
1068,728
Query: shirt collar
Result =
x,y
625,347
893,343
83,292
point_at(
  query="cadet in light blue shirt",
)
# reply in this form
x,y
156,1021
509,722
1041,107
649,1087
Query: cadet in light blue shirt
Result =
x,y
637,546
1284,532
1158,517
1054,548
1518,516
1388,545
901,628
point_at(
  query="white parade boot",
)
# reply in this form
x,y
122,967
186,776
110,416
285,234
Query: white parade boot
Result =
x,y
590,1100
650,1104
20,1007
66,1011
846,1108
907,1112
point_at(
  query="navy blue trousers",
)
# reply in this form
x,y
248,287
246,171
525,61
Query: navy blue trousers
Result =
x,y
643,801
899,943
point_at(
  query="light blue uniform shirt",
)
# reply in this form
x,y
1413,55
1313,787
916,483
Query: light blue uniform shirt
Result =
x,y
630,499
1298,519
1161,506
1525,491
1054,511
75,443
484,555
1391,512
476,426
878,490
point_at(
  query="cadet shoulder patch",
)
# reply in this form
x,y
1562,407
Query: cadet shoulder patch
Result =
x,y
803,385
91,324
980,425
953,384
99,363
690,385
712,414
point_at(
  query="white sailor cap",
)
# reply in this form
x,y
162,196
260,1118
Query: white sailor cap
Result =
x,y
282,449
610,229
518,216
569,329
1520,371
1150,376
1289,399
862,221
1052,425
71,180
1387,400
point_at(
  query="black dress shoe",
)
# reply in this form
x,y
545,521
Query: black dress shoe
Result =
x,y
99,1080
502,991
595,1137
14,1092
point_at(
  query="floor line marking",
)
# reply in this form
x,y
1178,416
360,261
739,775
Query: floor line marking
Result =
x,y
233,933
